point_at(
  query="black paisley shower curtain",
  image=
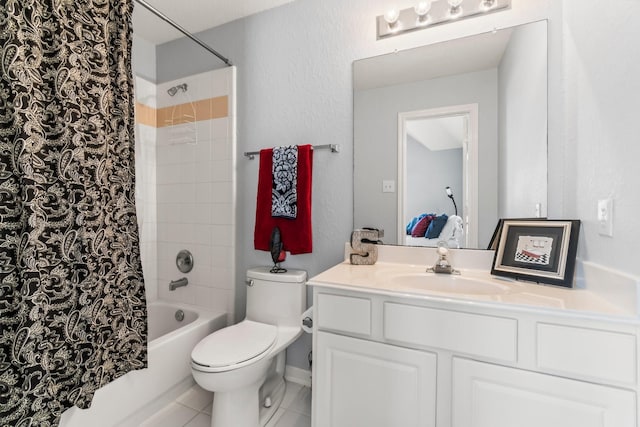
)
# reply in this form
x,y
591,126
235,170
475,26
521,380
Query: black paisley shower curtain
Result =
x,y
72,303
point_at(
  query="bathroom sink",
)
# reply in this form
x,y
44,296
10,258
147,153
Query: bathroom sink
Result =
x,y
447,284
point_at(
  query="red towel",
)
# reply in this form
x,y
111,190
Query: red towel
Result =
x,y
295,233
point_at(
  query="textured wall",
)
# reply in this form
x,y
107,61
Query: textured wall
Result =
x,y
602,147
523,123
294,86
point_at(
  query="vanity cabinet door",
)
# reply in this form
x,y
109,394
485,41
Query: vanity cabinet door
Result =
x,y
364,383
486,395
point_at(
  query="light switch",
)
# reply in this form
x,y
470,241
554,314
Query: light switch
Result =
x,y
605,217
388,186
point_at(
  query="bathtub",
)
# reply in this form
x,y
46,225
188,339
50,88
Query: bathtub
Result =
x,y
137,395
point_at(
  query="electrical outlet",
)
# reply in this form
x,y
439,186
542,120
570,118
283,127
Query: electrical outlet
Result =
x,y
605,217
388,186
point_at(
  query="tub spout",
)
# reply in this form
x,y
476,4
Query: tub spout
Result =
x,y
174,284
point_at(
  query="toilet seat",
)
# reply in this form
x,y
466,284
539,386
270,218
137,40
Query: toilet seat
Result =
x,y
234,346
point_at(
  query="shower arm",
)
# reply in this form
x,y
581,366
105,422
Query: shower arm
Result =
x,y
169,21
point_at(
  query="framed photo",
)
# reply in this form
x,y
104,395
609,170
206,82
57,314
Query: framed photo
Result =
x,y
542,251
493,243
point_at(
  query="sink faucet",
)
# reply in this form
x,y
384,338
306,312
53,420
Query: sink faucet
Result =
x,y
443,266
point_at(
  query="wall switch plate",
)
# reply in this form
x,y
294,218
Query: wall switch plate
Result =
x,y
538,210
388,186
605,217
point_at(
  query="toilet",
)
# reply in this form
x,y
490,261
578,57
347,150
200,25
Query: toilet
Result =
x,y
244,364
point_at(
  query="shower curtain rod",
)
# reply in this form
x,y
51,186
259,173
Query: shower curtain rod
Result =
x,y
169,21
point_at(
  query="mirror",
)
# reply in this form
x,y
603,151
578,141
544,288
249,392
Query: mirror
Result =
x,y
498,166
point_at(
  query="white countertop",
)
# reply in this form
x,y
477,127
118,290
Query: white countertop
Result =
x,y
379,278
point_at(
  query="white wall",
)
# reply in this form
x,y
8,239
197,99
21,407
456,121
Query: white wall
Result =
x,y
601,148
375,122
143,58
428,174
523,123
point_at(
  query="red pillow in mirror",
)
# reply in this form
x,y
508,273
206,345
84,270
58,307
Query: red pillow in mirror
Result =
x,y
421,227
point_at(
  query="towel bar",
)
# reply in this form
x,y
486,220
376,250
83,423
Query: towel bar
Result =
x,y
335,148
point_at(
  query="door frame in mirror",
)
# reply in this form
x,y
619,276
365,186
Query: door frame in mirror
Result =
x,y
469,167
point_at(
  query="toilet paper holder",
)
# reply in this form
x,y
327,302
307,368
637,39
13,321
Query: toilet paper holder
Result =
x,y
308,322
306,319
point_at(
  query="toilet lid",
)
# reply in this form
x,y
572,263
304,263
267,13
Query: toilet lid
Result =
x,y
234,344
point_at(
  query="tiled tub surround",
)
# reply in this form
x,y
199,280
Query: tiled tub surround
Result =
x,y
194,186
533,355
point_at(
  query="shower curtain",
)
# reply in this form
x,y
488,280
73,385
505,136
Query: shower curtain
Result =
x,y
72,303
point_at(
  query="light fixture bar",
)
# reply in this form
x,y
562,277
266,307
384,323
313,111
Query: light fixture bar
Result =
x,y
441,12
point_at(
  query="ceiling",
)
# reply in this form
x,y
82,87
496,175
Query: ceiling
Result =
x,y
193,15
438,133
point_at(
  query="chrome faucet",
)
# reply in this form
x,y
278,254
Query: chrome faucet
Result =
x,y
174,284
443,266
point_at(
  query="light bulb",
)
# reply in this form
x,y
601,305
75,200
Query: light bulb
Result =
x,y
391,16
449,192
422,8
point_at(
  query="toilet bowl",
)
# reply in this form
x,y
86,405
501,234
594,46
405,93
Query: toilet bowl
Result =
x,y
244,364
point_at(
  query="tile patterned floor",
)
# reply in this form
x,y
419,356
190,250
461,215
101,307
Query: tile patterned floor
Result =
x,y
193,409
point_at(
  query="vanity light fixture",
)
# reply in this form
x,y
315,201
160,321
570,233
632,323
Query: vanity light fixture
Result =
x,y
428,13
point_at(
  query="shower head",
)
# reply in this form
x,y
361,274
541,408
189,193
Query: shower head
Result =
x,y
173,90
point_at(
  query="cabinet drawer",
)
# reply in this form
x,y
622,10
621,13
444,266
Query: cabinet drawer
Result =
x,y
588,353
473,334
344,314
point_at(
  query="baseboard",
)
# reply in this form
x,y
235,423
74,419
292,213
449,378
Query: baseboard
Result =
x,y
297,375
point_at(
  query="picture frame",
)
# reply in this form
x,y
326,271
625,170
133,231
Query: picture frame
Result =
x,y
493,243
541,251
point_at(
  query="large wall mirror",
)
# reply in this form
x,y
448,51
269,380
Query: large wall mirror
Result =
x,y
457,128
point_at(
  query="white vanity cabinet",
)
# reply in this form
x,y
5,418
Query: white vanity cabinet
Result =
x,y
487,395
387,360
365,383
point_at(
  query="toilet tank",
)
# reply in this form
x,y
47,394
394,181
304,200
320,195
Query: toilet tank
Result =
x,y
276,298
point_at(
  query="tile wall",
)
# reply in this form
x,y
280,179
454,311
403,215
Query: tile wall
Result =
x,y
194,187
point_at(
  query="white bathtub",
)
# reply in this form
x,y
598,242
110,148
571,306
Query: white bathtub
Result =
x,y
135,396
